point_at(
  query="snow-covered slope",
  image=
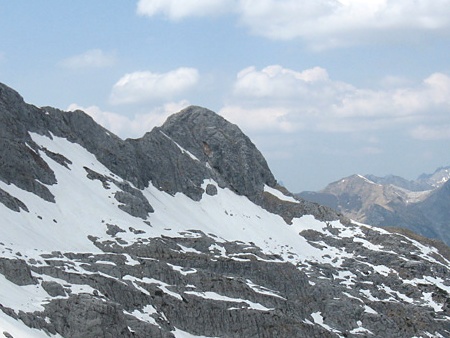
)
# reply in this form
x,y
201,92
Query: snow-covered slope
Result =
x,y
210,246
84,207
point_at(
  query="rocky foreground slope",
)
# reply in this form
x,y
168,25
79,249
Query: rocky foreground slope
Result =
x,y
185,233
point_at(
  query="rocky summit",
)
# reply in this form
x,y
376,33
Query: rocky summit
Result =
x,y
185,232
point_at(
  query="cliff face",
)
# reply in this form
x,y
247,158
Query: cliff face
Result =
x,y
223,147
185,232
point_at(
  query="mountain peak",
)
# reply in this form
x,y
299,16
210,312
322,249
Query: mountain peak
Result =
x,y
354,181
436,179
192,112
223,147
9,96
233,158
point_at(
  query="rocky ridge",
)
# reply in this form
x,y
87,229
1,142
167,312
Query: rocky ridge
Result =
x,y
230,158
185,233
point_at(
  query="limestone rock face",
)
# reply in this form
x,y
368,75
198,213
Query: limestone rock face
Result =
x,y
16,271
82,316
19,163
223,146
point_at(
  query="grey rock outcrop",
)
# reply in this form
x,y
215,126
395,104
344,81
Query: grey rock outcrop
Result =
x,y
223,146
85,316
16,271
211,190
12,202
19,162
53,288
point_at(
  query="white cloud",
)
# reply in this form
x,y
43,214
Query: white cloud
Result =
x,y
371,150
94,58
144,86
281,99
331,23
276,81
178,9
431,133
391,81
324,23
136,126
258,118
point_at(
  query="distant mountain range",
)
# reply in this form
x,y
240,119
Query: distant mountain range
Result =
x,y
421,205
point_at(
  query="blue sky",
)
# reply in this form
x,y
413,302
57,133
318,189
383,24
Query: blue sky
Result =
x,y
324,88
